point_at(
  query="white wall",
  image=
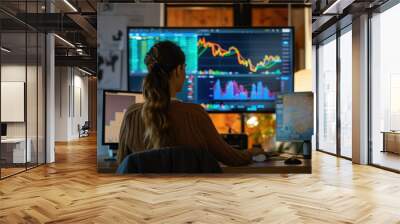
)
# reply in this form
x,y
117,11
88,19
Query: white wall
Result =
x,y
16,73
61,103
71,93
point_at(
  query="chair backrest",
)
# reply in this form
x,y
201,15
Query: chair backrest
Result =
x,y
86,124
170,160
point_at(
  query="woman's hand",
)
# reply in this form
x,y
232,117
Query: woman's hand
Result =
x,y
256,151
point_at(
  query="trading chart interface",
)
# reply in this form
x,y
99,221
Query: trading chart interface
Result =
x,y
232,70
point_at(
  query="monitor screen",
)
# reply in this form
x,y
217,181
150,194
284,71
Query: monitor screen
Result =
x,y
228,70
295,117
3,129
115,106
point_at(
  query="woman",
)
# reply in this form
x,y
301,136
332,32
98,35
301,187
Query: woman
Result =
x,y
163,121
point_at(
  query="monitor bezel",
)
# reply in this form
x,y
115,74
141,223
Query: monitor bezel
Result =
x,y
105,91
221,28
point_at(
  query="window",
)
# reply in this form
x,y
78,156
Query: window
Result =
x,y
327,96
385,88
346,93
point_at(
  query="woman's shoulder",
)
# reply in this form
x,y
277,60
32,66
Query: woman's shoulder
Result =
x,y
192,108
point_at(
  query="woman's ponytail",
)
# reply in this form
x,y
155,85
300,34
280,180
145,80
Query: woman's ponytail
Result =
x,y
161,60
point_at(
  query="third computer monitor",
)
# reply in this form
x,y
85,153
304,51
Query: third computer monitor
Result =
x,y
227,69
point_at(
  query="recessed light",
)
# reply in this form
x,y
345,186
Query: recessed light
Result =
x,y
5,50
70,5
65,41
84,71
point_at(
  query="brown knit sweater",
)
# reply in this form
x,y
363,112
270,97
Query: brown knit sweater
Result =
x,y
190,125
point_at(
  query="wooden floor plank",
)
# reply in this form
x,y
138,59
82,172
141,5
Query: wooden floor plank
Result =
x,y
71,191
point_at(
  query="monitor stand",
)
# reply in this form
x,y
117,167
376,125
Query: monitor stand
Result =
x,y
112,153
307,149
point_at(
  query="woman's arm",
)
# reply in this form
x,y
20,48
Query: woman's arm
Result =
x,y
217,146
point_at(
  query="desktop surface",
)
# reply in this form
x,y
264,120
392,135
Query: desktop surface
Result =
x,y
271,165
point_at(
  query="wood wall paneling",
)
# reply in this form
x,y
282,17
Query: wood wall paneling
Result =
x,y
92,98
199,16
270,16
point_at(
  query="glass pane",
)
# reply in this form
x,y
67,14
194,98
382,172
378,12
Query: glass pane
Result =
x,y
13,86
199,16
327,96
31,98
41,99
385,89
346,94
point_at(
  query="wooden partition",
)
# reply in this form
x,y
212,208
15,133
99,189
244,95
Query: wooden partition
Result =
x,y
181,16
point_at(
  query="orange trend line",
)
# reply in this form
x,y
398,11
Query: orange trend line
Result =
x,y
217,50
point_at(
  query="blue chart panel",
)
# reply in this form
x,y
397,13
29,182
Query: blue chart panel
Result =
x,y
140,43
238,88
235,91
295,117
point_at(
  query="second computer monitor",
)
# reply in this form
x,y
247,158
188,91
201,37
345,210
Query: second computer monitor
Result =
x,y
228,70
116,103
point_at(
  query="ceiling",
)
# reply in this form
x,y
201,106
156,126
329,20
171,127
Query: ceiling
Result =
x,y
337,14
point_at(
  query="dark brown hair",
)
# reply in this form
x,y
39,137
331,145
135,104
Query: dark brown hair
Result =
x,y
161,60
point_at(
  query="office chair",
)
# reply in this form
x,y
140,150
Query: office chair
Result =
x,y
84,130
170,160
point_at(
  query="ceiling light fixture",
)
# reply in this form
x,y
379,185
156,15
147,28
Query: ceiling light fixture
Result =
x,y
84,71
331,7
65,41
5,50
337,7
70,5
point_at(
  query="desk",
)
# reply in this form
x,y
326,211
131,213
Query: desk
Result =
x,y
391,141
16,147
270,166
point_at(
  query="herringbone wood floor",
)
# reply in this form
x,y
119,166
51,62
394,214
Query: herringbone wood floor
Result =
x,y
71,191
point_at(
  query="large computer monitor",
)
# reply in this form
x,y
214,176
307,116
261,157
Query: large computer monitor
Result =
x,y
228,69
115,105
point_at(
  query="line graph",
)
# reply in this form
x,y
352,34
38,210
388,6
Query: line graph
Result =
x,y
268,61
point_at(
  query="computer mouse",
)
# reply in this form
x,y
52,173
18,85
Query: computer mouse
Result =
x,y
259,158
292,161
